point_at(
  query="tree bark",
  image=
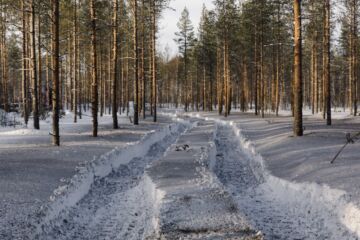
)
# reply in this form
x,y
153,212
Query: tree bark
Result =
x,y
136,64
298,124
94,72
154,66
24,65
56,66
40,67
34,78
326,72
76,65
115,66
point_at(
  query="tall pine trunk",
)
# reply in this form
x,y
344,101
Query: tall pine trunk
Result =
x,y
76,65
298,99
25,96
154,82
326,71
34,79
136,64
55,75
40,66
115,66
94,72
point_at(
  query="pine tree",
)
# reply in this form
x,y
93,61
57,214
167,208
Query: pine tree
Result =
x,y
185,40
115,65
298,127
326,63
94,67
153,60
56,66
34,76
136,62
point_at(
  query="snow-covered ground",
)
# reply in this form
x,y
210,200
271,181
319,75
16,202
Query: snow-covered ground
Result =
x,y
280,209
32,170
119,203
194,203
240,177
294,175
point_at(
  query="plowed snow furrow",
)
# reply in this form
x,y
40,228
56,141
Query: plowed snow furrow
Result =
x,y
278,216
117,207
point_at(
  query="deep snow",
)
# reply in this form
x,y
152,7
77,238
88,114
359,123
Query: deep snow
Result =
x,y
280,209
32,170
119,203
243,169
321,190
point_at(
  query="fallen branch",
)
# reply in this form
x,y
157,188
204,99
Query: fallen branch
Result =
x,y
349,139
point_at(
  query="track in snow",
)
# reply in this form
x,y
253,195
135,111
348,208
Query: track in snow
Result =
x,y
278,217
117,207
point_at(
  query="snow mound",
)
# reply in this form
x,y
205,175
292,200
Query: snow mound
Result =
x,y
332,204
340,217
79,185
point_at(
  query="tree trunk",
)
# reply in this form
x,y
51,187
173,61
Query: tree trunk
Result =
x,y
219,81
55,60
76,65
24,65
136,65
94,72
35,98
40,75
256,83
143,74
326,72
4,62
154,67
354,61
298,124
115,66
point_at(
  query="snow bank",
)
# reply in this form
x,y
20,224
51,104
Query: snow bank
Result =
x,y
79,185
333,204
23,132
155,197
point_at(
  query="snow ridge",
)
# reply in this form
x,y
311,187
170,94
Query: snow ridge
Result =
x,y
340,218
80,184
333,204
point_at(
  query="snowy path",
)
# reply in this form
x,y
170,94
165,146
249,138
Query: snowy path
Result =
x,y
206,183
117,207
278,212
193,203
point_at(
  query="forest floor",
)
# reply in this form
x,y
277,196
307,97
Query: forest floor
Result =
x,y
193,176
31,168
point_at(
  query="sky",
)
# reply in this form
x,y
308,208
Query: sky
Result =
x,y
171,16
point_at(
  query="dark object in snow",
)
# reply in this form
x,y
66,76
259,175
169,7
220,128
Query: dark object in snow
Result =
x,y
182,148
349,139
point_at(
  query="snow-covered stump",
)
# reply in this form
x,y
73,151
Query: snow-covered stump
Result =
x,y
192,203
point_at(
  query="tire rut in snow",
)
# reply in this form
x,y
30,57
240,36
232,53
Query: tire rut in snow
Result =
x,y
117,207
278,217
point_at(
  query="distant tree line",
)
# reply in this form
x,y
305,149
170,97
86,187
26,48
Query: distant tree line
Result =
x,y
99,56
78,55
268,55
